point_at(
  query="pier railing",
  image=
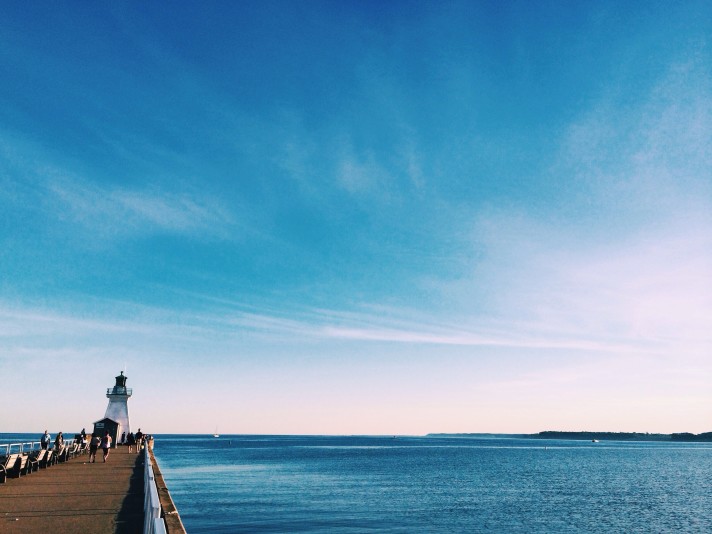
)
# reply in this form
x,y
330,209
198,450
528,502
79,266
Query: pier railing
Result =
x,y
25,446
152,521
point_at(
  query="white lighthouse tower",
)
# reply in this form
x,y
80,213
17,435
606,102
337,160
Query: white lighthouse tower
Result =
x,y
118,408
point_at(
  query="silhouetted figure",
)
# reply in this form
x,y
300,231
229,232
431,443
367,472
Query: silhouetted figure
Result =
x,y
93,446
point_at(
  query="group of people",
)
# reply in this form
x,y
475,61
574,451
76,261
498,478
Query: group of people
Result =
x,y
134,440
46,440
103,442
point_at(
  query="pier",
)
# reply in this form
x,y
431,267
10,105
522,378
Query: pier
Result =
x,y
119,496
59,490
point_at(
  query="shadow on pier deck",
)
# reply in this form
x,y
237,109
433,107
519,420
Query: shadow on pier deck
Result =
x,y
77,496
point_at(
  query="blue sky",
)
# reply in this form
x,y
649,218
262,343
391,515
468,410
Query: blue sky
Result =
x,y
348,218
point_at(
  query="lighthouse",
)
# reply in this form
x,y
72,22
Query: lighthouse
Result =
x,y
118,408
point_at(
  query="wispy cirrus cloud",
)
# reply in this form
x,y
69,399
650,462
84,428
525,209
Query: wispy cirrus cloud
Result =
x,y
650,156
34,181
121,210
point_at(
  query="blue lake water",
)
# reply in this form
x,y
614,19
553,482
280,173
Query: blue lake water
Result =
x,y
439,484
421,484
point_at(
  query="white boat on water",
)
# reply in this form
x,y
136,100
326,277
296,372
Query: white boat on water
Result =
x,y
216,435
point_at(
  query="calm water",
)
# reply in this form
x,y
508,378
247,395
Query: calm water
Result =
x,y
376,484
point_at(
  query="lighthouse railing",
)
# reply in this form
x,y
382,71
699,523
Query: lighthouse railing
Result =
x,y
119,391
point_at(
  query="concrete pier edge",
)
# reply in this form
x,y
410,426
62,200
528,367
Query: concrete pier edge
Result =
x,y
171,517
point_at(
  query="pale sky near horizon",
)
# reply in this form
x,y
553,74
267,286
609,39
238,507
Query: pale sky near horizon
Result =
x,y
357,217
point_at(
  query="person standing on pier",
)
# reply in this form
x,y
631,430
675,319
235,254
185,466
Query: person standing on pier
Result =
x,y
106,444
131,441
58,442
45,440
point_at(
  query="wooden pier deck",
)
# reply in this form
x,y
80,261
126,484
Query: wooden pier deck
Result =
x,y
76,496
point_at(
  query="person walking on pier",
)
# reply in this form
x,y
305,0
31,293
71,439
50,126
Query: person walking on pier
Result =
x,y
58,442
139,437
131,441
45,440
106,444
93,446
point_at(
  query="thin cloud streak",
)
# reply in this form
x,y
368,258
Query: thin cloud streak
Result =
x,y
121,210
470,340
23,328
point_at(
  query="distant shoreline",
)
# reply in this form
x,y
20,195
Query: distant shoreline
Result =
x,y
590,436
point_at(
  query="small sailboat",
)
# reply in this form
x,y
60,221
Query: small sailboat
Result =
x,y
216,435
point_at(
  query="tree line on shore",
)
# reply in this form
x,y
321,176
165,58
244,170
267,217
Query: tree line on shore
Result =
x,y
623,436
586,435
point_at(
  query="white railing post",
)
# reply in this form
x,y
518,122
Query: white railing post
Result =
x,y
159,526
